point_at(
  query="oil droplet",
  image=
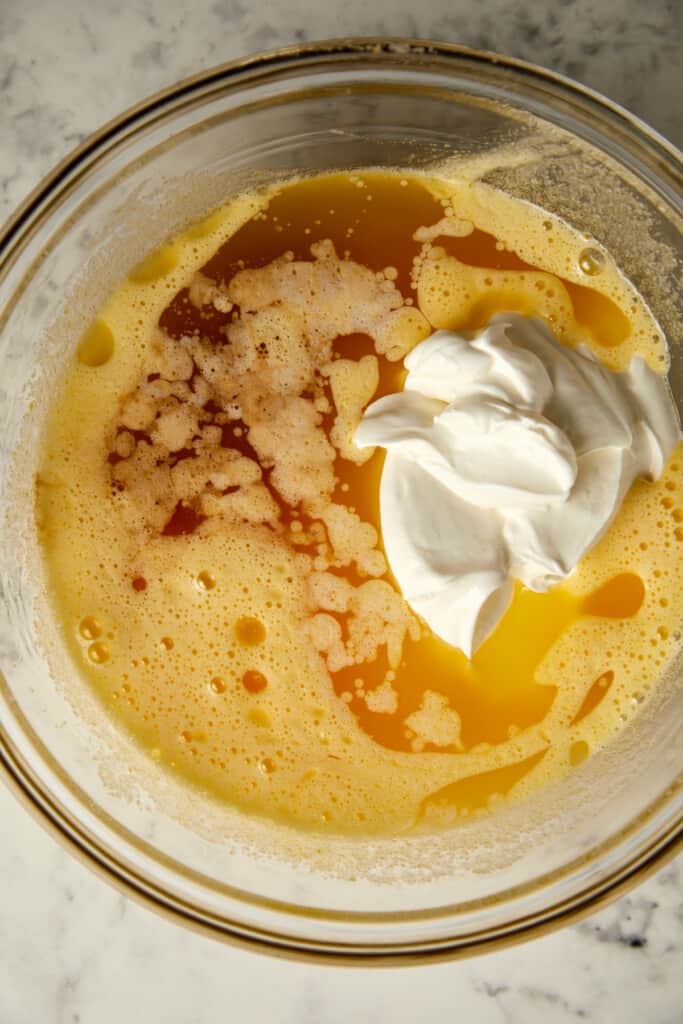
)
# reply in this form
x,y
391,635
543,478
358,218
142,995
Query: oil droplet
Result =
x,y
250,631
205,581
254,681
591,262
90,628
266,766
97,345
217,684
154,266
167,643
186,736
99,652
139,583
578,752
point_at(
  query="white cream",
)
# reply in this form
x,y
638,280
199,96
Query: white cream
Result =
x,y
508,456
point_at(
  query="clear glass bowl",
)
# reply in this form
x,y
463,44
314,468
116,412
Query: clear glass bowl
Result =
x,y
138,180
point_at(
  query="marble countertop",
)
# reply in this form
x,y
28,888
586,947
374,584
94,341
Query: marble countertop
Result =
x,y
73,951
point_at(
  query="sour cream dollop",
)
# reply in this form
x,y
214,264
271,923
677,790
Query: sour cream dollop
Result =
x,y
508,456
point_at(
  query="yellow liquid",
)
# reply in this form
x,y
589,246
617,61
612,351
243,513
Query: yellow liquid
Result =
x,y
247,631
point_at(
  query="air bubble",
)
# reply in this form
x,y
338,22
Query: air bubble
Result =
x,y
591,262
217,684
90,628
205,581
99,652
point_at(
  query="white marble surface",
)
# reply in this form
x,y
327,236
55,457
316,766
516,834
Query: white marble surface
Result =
x,y
72,951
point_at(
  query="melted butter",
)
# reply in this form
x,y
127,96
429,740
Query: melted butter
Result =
x,y
475,794
96,346
596,693
598,313
210,663
496,694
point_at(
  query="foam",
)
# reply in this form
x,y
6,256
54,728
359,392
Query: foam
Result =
x,y
274,551
545,240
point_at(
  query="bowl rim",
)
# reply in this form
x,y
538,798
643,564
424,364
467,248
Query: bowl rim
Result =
x,y
16,232
391,47
125,881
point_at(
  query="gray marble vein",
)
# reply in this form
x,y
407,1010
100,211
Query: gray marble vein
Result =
x,y
73,951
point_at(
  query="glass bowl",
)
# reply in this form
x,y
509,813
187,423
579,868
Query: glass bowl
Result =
x,y
141,178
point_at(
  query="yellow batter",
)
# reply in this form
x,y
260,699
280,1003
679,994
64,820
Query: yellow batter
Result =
x,y
211,533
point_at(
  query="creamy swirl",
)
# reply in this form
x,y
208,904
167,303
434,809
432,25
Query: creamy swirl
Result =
x,y
508,456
